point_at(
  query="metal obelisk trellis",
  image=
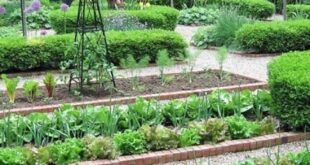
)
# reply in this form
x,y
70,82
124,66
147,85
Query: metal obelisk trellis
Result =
x,y
89,21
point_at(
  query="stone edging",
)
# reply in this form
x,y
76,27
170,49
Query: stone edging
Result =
x,y
127,100
187,153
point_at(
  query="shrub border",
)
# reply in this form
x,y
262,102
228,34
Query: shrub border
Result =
x,y
187,153
131,99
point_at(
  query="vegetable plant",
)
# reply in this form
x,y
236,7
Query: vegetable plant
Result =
x,y
163,61
50,83
10,85
130,142
31,90
189,137
191,62
221,57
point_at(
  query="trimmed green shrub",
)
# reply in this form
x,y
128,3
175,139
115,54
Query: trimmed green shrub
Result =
x,y
158,17
47,52
279,4
298,11
258,9
289,83
272,37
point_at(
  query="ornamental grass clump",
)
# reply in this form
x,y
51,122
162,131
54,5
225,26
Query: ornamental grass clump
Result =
x,y
11,85
31,90
50,84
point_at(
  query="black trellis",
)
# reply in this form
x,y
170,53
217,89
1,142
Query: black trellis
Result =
x,y
89,22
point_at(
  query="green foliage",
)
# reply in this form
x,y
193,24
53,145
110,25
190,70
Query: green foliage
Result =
x,y
198,16
179,4
50,83
10,85
174,112
6,31
35,20
302,158
273,37
298,11
47,52
204,37
216,130
158,17
99,148
221,57
130,142
279,4
289,83
160,137
16,156
31,90
163,61
240,128
66,152
189,137
228,24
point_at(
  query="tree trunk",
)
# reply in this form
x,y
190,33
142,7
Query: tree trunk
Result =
x,y
24,23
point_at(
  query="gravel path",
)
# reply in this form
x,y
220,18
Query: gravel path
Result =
x,y
228,159
255,67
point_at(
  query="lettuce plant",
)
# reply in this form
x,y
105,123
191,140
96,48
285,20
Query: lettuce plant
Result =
x,y
189,137
16,156
240,128
130,142
10,85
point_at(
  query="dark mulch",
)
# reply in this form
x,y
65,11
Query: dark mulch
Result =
x,y
148,85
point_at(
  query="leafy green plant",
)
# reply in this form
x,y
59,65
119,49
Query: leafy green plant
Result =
x,y
133,66
31,90
50,83
175,112
221,57
99,148
66,152
198,16
204,37
130,142
189,137
240,128
17,156
10,85
262,103
216,130
163,61
160,137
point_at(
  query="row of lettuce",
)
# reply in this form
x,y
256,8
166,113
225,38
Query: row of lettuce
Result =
x,y
300,158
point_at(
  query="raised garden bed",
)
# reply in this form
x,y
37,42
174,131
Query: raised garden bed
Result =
x,y
152,87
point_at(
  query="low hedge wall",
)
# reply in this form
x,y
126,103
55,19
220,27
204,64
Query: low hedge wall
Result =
x,y
273,37
158,17
289,83
298,11
47,52
258,9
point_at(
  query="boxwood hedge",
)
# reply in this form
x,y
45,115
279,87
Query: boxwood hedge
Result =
x,y
47,52
272,37
294,11
159,17
289,83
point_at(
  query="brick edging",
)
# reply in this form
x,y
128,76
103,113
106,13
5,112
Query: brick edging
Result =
x,y
187,153
127,100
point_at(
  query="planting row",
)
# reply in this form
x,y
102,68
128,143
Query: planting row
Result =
x,y
48,52
146,138
301,158
69,122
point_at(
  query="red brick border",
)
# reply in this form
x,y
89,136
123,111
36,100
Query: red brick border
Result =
x,y
203,150
127,100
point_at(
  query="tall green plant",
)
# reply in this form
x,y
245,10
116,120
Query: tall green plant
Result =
x,y
50,83
133,66
191,61
10,85
31,90
221,57
163,61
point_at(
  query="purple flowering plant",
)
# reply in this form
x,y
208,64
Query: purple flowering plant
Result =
x,y
2,10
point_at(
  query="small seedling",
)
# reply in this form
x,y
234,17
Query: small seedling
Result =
x,y
10,85
221,57
50,83
163,61
133,66
31,90
191,61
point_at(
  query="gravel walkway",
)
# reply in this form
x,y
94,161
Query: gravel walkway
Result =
x,y
255,67
228,159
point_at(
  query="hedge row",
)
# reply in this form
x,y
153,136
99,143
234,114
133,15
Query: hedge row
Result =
x,y
48,52
298,11
258,9
289,83
159,17
273,37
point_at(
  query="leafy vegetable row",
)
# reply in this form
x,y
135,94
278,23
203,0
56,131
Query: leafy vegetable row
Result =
x,y
69,122
146,138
